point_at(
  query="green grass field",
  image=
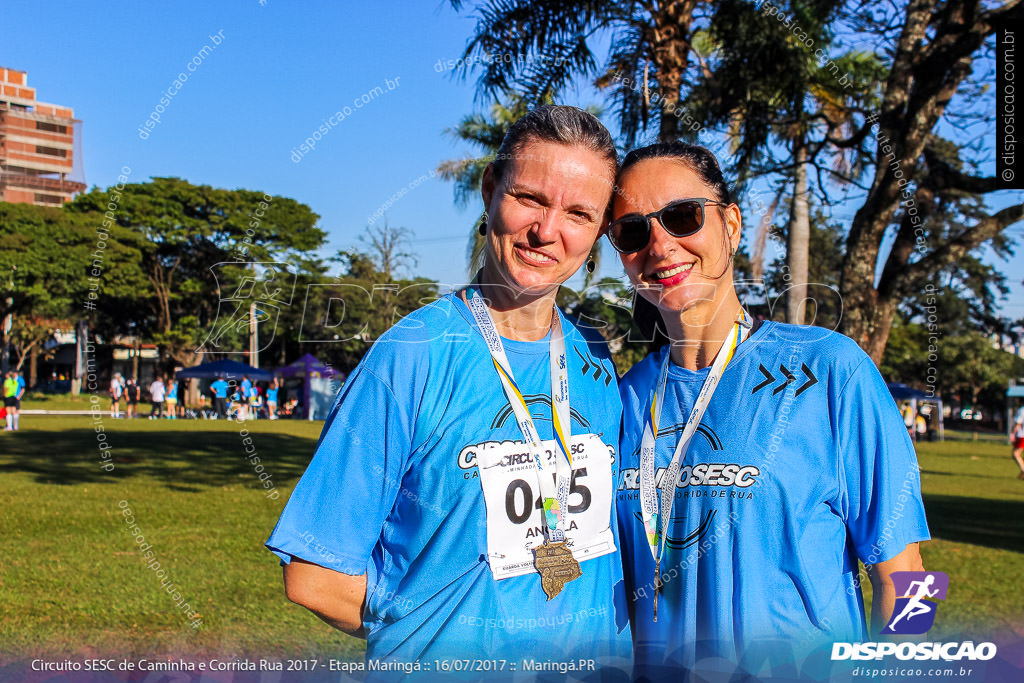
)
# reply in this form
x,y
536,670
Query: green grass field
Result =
x,y
72,579
73,582
37,401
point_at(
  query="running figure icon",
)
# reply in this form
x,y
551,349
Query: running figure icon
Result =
x,y
916,605
915,608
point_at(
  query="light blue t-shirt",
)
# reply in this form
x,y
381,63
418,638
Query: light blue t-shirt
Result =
x,y
220,388
394,491
801,464
246,389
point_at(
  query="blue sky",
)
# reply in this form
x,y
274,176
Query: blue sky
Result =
x,y
280,71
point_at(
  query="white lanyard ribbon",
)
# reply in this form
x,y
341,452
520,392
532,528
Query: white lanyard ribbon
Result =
x,y
648,498
554,486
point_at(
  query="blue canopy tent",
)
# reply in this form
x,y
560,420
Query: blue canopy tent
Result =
x,y
228,369
901,392
320,384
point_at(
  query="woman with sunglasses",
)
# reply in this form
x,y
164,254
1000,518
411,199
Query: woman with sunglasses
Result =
x,y
459,505
760,460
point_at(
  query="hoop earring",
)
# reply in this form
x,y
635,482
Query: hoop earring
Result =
x,y
483,226
591,265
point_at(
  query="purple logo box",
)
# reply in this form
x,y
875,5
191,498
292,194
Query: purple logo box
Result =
x,y
916,593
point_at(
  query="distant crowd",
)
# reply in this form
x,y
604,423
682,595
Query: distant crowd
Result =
x,y
244,400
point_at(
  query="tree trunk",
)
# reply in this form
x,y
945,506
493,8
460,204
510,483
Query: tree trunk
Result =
x,y
757,260
857,282
798,237
137,343
932,57
670,47
881,323
33,366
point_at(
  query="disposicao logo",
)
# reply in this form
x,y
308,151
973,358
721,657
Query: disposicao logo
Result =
x,y
914,612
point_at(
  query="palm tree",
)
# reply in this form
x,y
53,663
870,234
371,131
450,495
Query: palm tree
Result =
x,y
538,47
768,84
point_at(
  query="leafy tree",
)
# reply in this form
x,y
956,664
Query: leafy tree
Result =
x,y
56,267
181,231
607,306
933,46
343,315
766,81
280,338
969,364
822,280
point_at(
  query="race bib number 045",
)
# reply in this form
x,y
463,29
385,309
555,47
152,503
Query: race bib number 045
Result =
x,y
515,524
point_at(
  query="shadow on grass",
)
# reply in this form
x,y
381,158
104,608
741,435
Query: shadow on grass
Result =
x,y
958,475
185,461
981,521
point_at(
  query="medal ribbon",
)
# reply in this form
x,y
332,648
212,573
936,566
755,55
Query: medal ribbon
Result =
x,y
554,486
648,498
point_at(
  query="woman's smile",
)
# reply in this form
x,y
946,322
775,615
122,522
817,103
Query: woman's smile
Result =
x,y
670,275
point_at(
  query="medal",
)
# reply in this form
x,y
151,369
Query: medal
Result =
x,y
555,562
556,565
656,522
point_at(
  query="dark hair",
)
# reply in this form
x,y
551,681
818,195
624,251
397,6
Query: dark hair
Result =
x,y
701,161
698,159
560,124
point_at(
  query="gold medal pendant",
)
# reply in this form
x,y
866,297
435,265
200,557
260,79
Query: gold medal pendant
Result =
x,y
556,565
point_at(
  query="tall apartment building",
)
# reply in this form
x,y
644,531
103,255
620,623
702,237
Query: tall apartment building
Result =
x,y
37,145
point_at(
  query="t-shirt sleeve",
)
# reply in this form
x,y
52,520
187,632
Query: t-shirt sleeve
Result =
x,y
880,482
335,515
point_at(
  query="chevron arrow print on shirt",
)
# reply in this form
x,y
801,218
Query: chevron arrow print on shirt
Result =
x,y
769,379
598,368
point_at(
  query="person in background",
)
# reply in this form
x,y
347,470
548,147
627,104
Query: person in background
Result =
x,y
1017,441
235,403
172,399
182,395
14,389
255,402
908,418
920,427
132,394
272,399
157,394
219,389
244,398
116,390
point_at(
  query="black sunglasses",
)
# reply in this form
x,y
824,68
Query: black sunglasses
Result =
x,y
681,218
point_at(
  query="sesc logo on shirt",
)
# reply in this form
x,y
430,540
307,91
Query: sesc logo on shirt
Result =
x,y
702,474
